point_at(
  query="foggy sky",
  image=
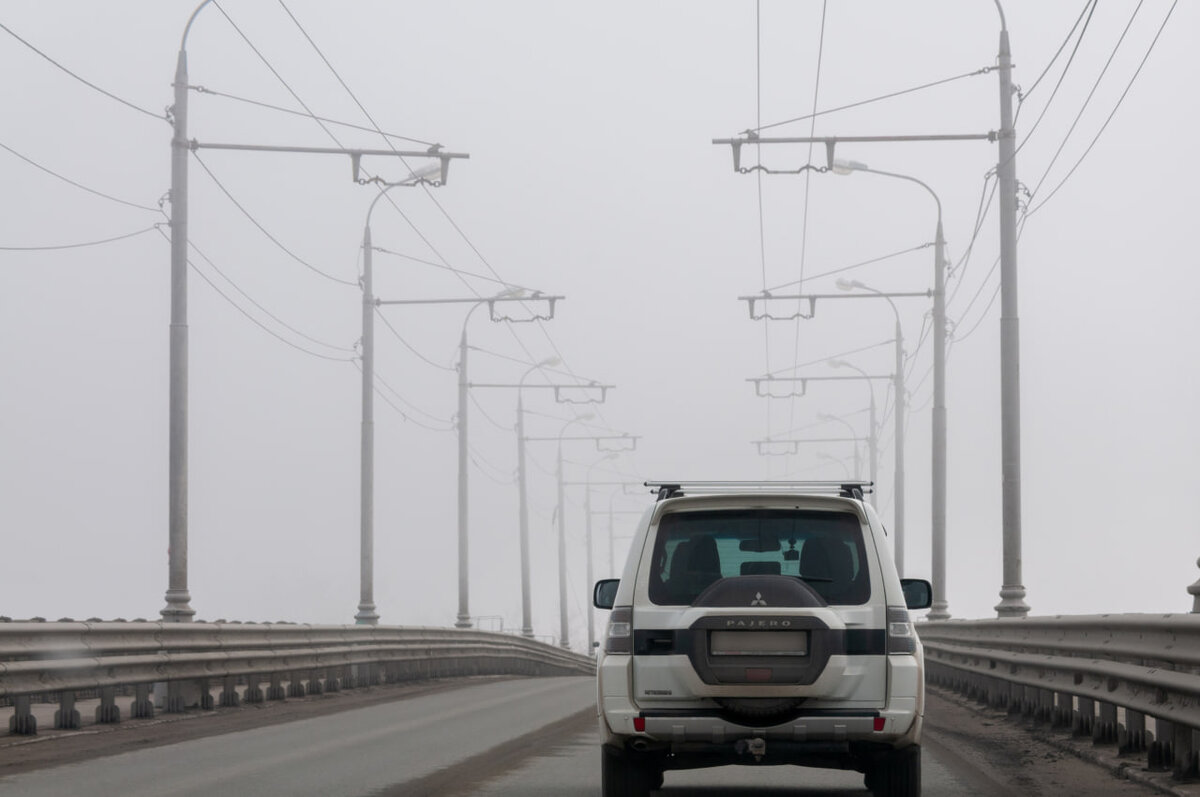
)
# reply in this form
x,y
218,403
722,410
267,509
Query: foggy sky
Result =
x,y
591,175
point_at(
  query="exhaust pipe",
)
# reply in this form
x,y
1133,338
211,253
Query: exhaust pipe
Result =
x,y
641,745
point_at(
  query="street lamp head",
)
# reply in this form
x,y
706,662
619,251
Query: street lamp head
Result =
x,y
849,285
836,363
549,362
849,167
825,416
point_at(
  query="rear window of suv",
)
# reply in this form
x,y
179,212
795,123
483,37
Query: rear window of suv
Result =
x,y
822,548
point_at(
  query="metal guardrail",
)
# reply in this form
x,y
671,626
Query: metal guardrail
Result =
x,y
68,658
1102,675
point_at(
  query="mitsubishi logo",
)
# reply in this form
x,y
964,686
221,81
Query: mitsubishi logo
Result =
x,y
758,600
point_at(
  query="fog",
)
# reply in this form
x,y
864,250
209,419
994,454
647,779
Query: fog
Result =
x,y
591,175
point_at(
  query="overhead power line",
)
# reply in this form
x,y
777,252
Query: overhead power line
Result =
x,y
80,186
294,112
84,81
1087,101
78,245
262,309
881,97
1061,77
1111,114
263,229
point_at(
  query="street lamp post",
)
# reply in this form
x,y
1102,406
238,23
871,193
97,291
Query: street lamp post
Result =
x,y
901,402
463,619
178,607
523,504
366,614
564,639
523,501
940,607
587,509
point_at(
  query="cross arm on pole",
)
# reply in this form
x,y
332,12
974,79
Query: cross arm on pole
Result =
x,y
803,381
831,142
355,157
811,298
562,392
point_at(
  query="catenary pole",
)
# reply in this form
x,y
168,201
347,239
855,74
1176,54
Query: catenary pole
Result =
x,y
366,603
526,601
1012,590
464,619
178,606
940,608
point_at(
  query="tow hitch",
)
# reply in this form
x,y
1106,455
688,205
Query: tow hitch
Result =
x,y
755,747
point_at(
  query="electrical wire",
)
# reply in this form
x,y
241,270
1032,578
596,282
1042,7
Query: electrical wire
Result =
x,y
84,81
445,267
78,245
462,234
294,112
447,425
80,186
982,71
264,230
851,266
487,417
807,186
1110,115
264,310
409,346
1061,77
407,418
1090,95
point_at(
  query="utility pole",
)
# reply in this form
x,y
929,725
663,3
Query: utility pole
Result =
x,y
560,512
1012,590
178,599
463,618
178,608
523,503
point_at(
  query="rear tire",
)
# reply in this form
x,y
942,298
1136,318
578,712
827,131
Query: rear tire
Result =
x,y
623,775
897,775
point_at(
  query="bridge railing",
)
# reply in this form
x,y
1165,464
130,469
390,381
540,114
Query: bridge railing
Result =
x,y
1100,675
68,659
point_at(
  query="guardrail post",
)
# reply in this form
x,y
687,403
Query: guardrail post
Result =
x,y
1045,706
275,687
253,693
333,679
22,720
174,697
229,694
108,711
295,687
1186,763
1063,712
313,686
66,718
142,706
1160,756
1105,729
206,698
1085,717
1131,737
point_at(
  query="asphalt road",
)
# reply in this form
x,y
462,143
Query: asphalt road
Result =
x,y
533,738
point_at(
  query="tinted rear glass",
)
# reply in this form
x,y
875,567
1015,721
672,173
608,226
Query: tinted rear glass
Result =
x,y
824,549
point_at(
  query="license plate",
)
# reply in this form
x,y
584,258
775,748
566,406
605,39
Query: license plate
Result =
x,y
758,643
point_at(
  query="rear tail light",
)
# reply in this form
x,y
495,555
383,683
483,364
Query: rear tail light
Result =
x,y
901,636
618,637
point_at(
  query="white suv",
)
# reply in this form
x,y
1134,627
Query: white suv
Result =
x,y
760,623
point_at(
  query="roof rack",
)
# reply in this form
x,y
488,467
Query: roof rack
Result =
x,y
846,489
